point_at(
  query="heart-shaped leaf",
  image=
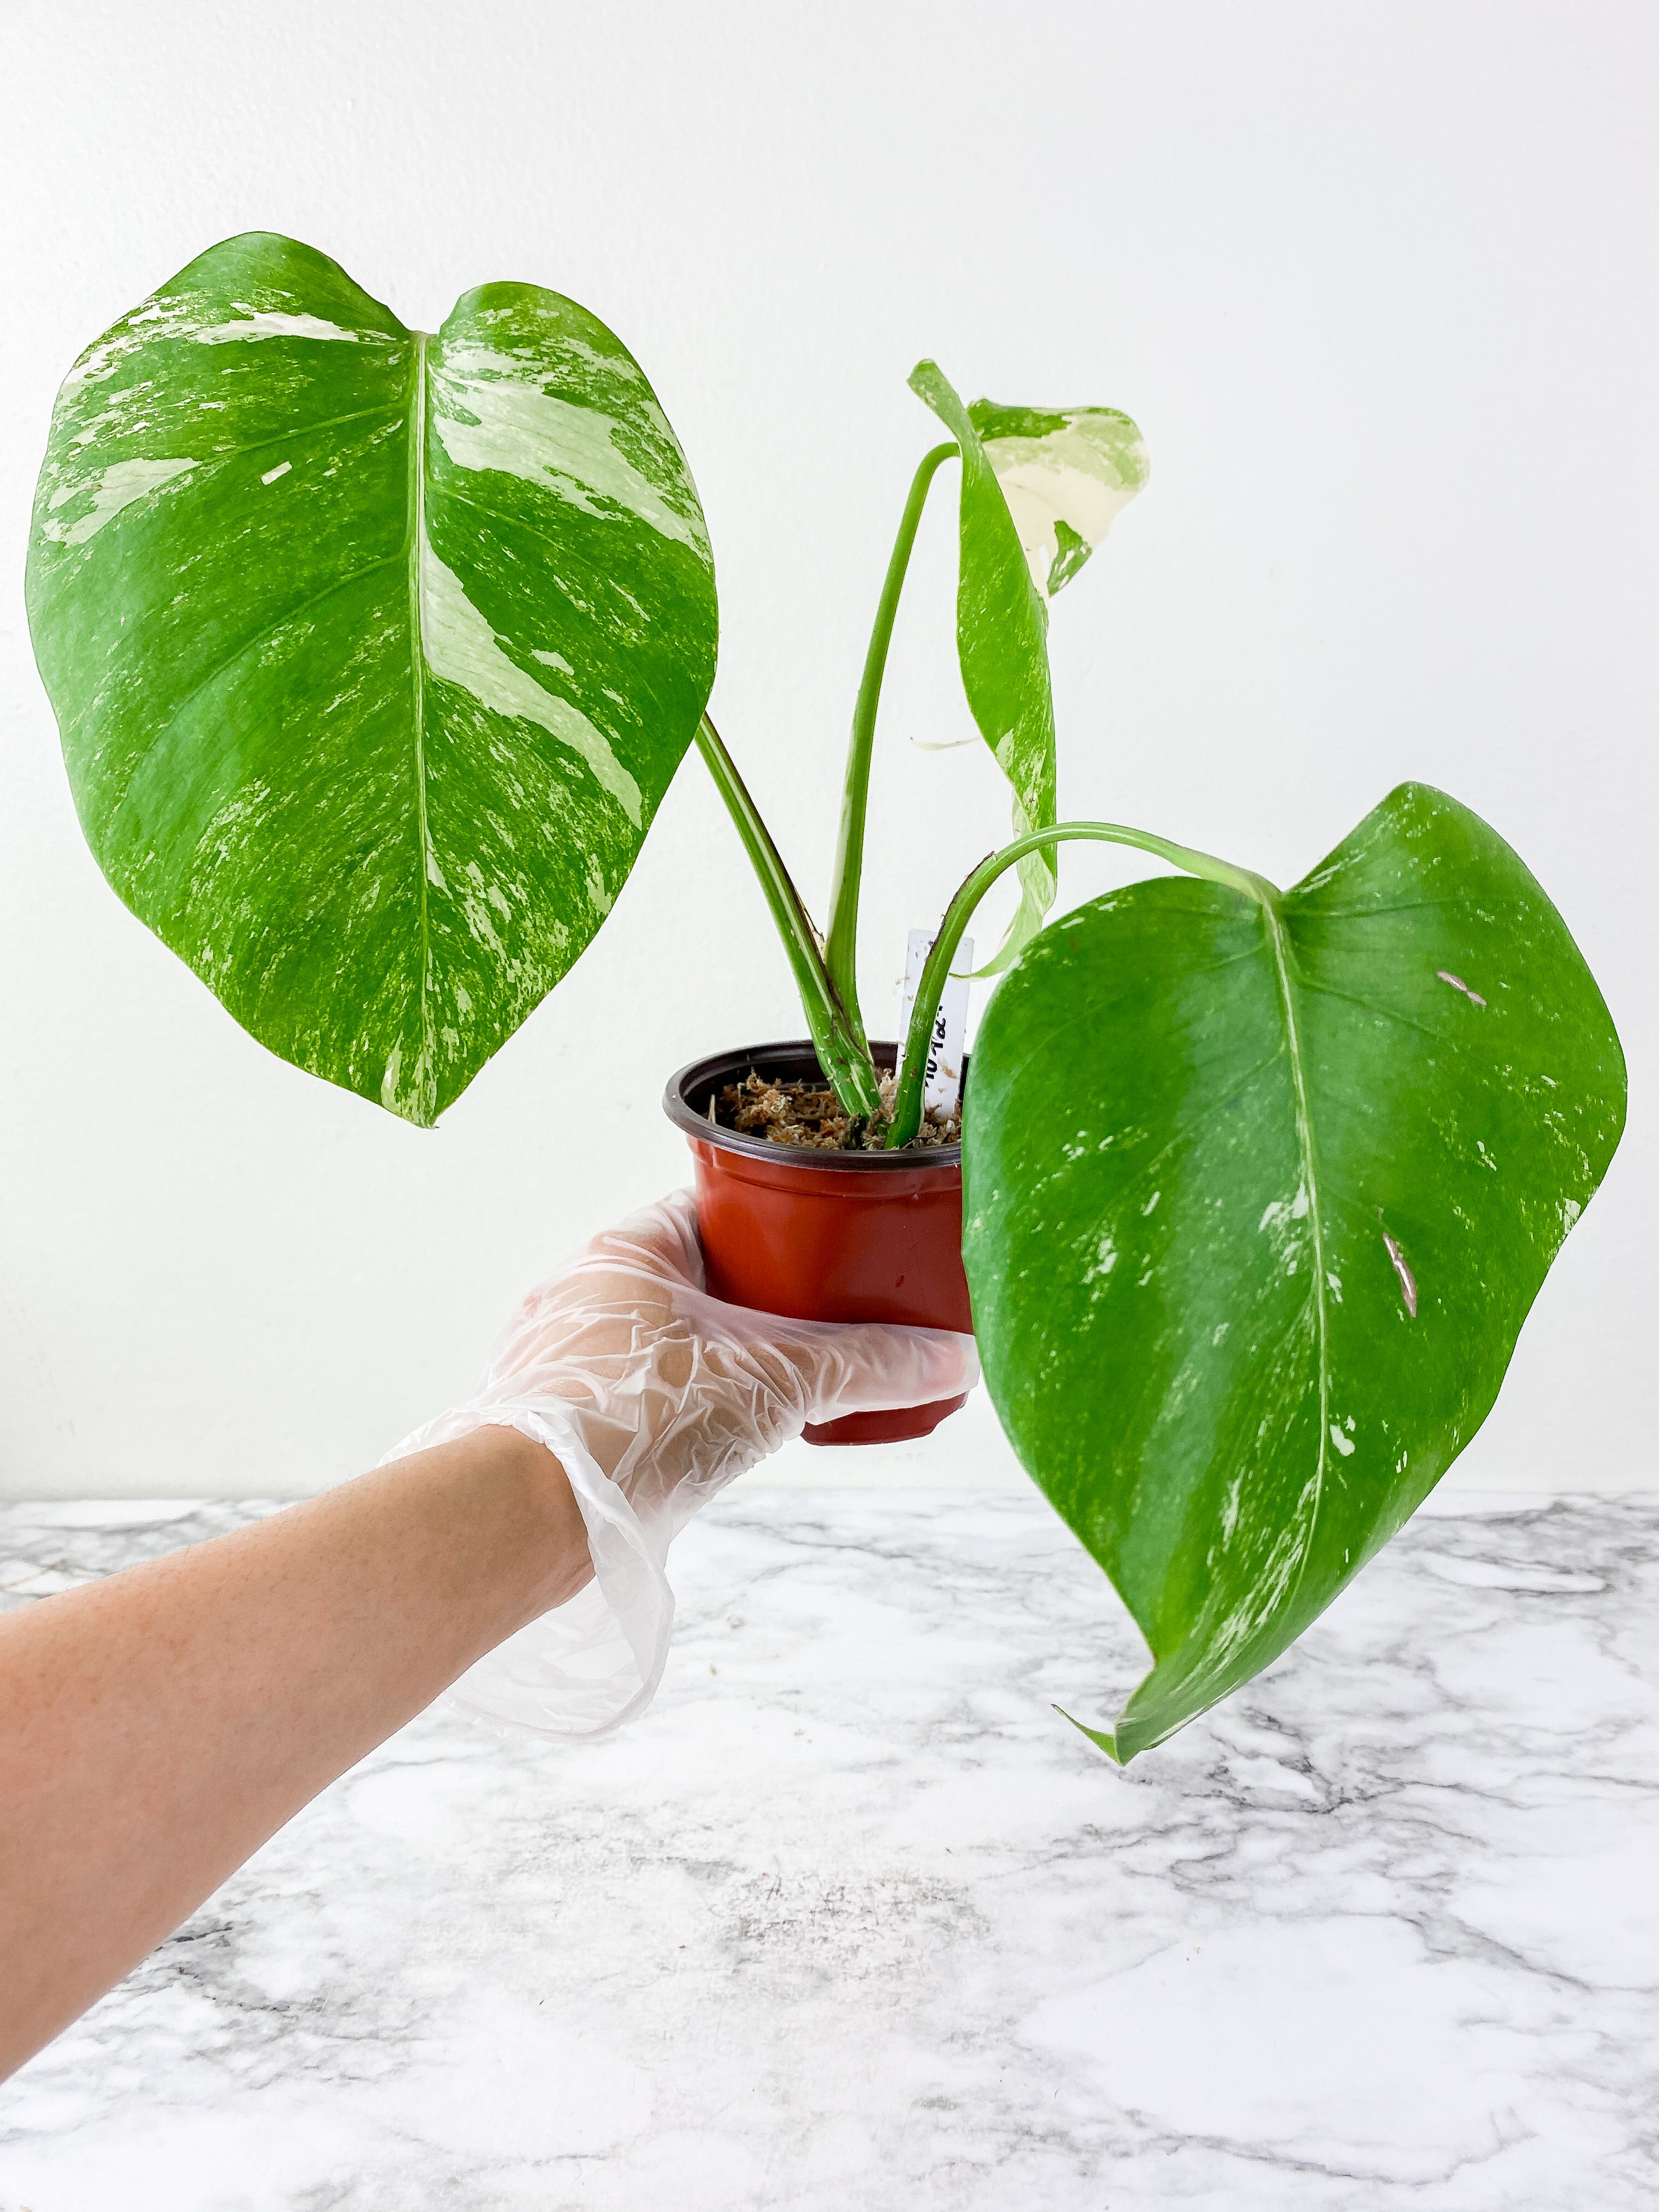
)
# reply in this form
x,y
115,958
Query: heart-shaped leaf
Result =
x,y
372,653
1256,1200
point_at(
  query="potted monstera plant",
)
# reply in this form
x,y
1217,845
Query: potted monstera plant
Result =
x,y
374,653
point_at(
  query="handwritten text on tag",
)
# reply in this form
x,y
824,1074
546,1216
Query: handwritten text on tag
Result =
x,y
947,1043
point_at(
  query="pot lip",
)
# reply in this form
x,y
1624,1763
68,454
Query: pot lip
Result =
x,y
699,1076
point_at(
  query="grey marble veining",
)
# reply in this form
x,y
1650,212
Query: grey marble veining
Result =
x,y
852,1919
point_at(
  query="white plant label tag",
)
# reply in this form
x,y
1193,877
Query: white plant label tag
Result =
x,y
947,1044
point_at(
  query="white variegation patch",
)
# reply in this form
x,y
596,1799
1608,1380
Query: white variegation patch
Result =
x,y
516,345
1067,485
101,360
121,485
188,316
489,416
395,1094
260,322
462,648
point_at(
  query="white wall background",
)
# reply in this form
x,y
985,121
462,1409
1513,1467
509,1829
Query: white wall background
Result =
x,y
1379,284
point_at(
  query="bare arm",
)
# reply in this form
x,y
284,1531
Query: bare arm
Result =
x,y
157,1727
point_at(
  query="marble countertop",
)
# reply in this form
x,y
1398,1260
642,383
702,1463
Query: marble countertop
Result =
x,y
852,1920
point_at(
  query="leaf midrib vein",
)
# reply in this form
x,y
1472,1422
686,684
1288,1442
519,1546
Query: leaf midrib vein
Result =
x,y
1274,923
427,1070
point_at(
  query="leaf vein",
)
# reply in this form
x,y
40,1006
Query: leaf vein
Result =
x,y
282,437
1375,1006
261,636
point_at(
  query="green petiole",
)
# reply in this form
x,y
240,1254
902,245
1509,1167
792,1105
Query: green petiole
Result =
x,y
826,969
840,946
907,1104
842,1053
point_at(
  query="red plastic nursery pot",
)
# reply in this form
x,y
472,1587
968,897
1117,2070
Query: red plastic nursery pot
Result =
x,y
826,1236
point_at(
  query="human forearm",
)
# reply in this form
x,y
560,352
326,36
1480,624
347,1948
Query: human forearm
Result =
x,y
156,1728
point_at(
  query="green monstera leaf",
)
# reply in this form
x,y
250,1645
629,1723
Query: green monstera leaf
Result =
x,y
1039,490
1257,1197
373,652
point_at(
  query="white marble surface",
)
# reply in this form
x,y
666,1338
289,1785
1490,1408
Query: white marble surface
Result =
x,y
853,1920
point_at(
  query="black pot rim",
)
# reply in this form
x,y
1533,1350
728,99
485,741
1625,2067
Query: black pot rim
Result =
x,y
793,1056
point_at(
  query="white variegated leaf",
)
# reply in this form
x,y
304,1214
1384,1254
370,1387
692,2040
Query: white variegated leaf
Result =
x,y
372,653
1067,474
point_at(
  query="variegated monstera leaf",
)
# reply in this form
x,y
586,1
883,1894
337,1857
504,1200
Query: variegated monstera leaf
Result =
x,y
373,652
1067,474
1039,490
1256,1196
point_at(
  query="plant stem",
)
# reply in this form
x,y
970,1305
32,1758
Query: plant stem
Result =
x,y
841,947
841,1050
907,1105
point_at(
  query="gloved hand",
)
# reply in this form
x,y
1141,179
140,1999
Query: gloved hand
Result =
x,y
652,1395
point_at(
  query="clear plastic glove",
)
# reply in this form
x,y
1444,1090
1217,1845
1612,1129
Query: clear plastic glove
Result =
x,y
652,1396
